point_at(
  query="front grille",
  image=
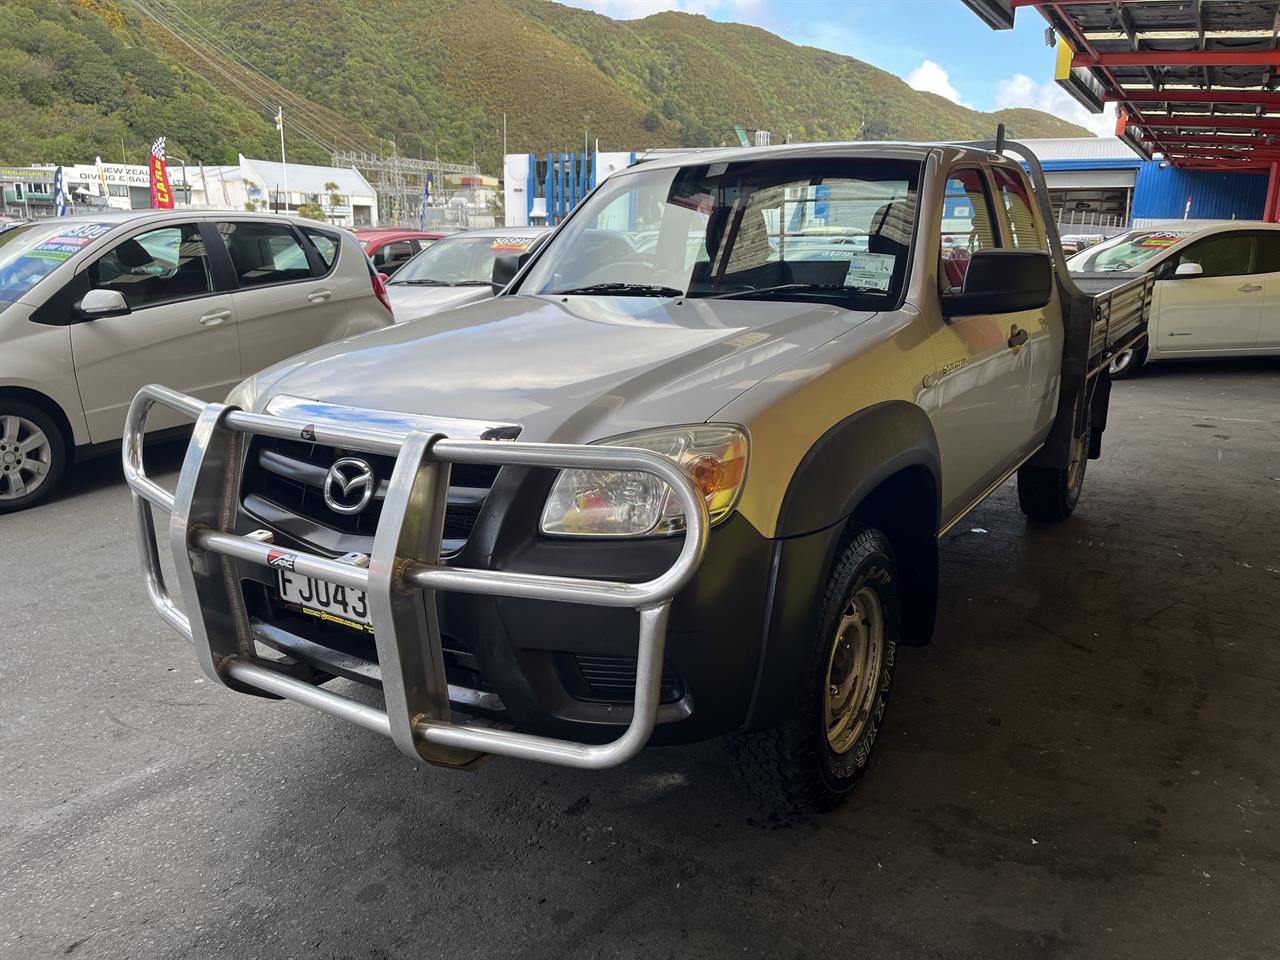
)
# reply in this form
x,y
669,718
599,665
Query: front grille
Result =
x,y
613,679
284,487
265,607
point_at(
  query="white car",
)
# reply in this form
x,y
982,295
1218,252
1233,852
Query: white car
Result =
x,y
1217,291
457,269
92,308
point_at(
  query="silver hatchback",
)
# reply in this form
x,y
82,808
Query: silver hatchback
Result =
x,y
93,307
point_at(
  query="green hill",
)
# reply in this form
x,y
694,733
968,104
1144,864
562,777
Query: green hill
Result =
x,y
100,77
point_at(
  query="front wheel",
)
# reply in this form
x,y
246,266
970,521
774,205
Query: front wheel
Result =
x,y
812,762
33,454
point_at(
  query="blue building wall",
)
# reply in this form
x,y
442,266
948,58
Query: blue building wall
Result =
x,y
1161,193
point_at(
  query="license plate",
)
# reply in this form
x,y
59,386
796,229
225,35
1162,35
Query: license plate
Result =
x,y
326,601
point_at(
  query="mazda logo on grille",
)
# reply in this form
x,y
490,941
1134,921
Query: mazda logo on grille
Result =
x,y
349,485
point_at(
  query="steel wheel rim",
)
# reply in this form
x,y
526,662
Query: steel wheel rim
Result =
x,y
1121,361
26,456
853,669
1076,467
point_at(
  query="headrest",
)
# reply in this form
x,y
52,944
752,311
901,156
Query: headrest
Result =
x,y
133,254
893,221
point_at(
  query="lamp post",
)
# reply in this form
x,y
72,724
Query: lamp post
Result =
x,y
185,185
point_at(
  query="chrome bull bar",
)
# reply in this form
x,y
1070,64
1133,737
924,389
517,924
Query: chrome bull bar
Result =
x,y
402,577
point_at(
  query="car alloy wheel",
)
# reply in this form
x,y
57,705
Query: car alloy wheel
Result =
x,y
26,457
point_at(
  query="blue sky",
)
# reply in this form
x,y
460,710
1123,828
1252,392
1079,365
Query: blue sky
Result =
x,y
936,45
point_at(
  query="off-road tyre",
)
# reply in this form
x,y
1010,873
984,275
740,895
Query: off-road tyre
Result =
x,y
18,421
1050,494
793,768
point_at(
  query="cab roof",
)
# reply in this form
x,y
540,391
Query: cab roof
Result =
x,y
886,150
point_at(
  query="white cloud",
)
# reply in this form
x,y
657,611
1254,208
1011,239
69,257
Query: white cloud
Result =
x,y
743,10
1021,91
932,78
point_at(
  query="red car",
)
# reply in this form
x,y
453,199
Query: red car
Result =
x,y
390,248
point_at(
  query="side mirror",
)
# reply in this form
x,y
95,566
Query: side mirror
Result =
x,y
102,303
1001,281
505,268
1189,269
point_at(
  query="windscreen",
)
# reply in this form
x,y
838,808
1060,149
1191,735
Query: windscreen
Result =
x,y
459,261
1130,252
30,253
820,229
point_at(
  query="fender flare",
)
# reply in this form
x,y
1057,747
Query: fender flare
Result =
x,y
854,457
838,475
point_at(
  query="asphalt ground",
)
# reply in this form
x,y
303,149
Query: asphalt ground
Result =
x,y
1084,763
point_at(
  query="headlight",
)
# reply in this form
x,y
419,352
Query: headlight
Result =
x,y
601,503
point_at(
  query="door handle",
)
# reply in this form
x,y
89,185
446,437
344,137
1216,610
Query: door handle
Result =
x,y
215,317
1016,337
319,296
1251,287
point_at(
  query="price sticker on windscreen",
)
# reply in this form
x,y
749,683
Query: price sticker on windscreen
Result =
x,y
872,270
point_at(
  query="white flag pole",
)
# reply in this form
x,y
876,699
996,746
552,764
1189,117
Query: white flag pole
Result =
x,y
283,165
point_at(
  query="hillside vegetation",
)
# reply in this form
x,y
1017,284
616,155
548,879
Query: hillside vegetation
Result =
x,y
100,77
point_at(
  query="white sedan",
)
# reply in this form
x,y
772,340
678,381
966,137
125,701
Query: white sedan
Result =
x,y
1217,291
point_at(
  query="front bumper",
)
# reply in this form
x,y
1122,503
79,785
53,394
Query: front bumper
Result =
x,y
403,578
563,669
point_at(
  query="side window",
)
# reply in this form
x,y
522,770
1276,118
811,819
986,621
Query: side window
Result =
x,y
160,266
1268,253
264,252
1222,255
966,225
396,253
326,245
1025,232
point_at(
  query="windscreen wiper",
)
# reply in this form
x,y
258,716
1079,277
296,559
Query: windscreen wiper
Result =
x,y
419,283
625,290
789,287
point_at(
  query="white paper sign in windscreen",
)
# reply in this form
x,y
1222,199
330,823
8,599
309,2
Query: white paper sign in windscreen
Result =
x,y
871,270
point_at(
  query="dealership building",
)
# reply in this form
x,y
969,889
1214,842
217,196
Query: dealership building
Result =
x,y
28,192
1100,181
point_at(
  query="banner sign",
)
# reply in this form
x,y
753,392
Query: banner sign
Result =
x,y
59,194
161,195
426,199
16,174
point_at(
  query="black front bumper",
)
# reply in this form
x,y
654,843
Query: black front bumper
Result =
x,y
567,670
